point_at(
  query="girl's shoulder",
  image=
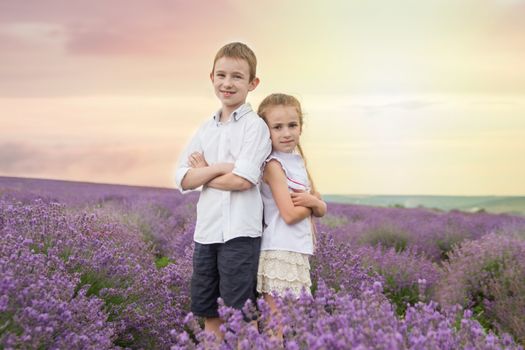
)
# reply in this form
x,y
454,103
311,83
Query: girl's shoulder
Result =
x,y
272,168
281,160
292,165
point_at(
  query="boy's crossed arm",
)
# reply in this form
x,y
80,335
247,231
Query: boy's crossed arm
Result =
x,y
196,177
242,175
218,176
230,182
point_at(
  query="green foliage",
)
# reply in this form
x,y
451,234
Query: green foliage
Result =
x,y
334,221
401,297
162,261
480,315
446,244
162,212
65,254
493,267
95,281
397,205
7,325
388,236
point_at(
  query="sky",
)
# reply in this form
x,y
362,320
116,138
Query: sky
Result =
x,y
400,97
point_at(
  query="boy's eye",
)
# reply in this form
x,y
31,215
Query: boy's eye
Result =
x,y
277,127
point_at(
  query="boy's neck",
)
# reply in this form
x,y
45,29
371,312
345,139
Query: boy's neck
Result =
x,y
226,111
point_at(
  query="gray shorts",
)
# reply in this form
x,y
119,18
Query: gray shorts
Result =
x,y
227,270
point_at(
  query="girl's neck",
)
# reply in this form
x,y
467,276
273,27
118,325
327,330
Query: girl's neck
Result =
x,y
294,151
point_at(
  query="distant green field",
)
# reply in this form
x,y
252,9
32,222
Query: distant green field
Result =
x,y
492,204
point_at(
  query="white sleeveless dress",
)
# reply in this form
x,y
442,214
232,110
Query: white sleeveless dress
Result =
x,y
283,264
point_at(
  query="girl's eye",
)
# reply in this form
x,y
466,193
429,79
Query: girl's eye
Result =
x,y
277,127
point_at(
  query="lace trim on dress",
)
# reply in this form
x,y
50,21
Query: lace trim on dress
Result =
x,y
267,285
282,270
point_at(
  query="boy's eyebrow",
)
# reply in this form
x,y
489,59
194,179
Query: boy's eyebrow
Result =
x,y
234,72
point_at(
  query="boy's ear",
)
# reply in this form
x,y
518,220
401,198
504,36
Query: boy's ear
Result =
x,y
211,77
253,84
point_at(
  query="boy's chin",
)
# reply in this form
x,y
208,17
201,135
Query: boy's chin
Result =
x,y
230,103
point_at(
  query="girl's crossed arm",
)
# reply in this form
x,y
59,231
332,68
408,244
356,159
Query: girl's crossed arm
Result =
x,y
275,177
312,201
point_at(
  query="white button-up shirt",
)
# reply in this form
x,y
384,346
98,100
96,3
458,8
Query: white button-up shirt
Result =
x,y
245,141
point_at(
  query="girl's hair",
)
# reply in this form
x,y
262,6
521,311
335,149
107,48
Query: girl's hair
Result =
x,y
286,101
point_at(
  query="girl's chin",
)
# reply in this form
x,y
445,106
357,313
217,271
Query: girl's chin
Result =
x,y
287,149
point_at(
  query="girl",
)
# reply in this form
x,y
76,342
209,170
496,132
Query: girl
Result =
x,y
289,200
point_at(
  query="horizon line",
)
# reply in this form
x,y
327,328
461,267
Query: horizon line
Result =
x,y
327,194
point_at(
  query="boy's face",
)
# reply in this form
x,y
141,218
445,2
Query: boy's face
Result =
x,y
231,81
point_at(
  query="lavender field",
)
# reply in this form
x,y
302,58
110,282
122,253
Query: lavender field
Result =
x,y
85,266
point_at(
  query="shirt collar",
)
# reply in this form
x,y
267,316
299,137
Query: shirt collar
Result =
x,y
292,154
237,114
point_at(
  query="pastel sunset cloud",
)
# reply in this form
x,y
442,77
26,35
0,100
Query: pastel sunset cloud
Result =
x,y
418,90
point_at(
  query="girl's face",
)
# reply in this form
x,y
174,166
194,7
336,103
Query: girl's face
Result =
x,y
285,127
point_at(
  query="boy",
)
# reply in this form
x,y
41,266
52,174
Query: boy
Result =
x,y
225,157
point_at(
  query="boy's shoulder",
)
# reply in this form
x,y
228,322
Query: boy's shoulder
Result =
x,y
255,124
254,119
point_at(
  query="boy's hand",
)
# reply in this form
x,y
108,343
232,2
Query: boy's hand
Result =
x,y
303,199
197,160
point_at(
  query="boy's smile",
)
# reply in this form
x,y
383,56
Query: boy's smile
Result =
x,y
231,83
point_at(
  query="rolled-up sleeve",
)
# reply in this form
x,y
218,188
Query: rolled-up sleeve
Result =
x,y
183,165
256,147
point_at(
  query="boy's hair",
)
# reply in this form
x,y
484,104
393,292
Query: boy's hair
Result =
x,y
239,51
286,101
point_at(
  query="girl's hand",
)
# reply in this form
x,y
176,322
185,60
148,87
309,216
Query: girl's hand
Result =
x,y
303,199
197,160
